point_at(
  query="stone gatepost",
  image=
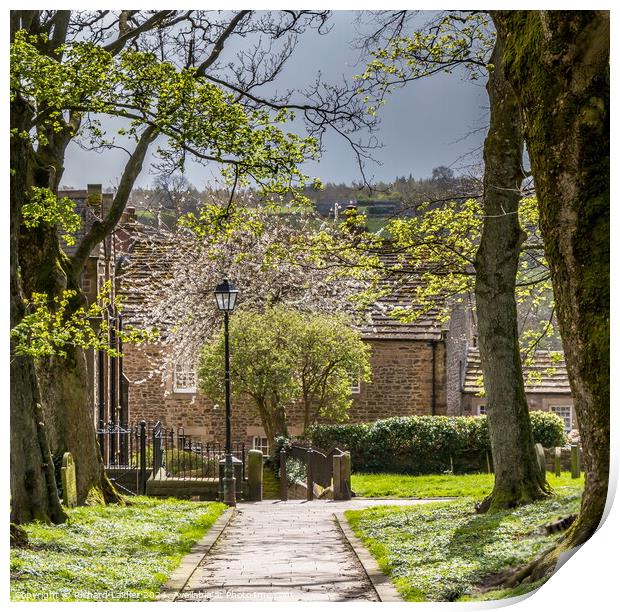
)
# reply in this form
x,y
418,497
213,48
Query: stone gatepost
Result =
x,y
345,475
69,484
255,475
336,480
282,476
309,476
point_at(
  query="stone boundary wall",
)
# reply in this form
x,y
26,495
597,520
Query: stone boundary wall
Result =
x,y
564,459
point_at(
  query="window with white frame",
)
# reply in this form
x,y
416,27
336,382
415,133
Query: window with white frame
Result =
x,y
566,414
184,378
482,409
261,444
356,384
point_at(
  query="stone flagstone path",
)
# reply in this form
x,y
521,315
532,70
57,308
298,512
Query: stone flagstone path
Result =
x,y
284,551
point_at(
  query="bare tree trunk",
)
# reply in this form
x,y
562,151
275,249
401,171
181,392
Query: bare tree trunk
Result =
x,y
558,64
273,420
517,476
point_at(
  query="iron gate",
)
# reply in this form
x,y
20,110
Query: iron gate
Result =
x,y
136,452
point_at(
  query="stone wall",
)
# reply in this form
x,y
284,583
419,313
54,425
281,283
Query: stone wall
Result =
x,y
402,381
458,338
402,385
565,459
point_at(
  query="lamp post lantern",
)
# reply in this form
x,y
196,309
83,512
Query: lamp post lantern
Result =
x,y
226,297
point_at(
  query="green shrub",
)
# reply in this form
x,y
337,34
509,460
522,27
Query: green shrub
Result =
x,y
424,444
547,428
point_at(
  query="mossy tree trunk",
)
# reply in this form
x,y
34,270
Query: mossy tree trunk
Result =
x,y
517,476
43,267
68,415
63,381
558,64
34,494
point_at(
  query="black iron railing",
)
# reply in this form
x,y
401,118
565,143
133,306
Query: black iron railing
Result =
x,y
136,452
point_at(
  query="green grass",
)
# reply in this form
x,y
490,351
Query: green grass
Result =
x,y
444,485
109,553
442,551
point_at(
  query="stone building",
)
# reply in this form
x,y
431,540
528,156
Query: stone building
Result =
x,y
546,387
108,389
430,366
407,361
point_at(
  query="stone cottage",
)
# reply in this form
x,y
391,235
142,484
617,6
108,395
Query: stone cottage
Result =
x,y
408,363
546,386
430,366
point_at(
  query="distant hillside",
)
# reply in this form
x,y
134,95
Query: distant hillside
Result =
x,y
168,199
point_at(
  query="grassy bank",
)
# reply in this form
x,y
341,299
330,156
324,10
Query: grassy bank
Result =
x,y
444,485
443,551
109,553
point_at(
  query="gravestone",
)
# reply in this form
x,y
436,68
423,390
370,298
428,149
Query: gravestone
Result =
x,y
255,475
69,484
540,457
558,461
575,461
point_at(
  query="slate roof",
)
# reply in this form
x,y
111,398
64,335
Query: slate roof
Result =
x,y
150,259
428,325
146,265
544,375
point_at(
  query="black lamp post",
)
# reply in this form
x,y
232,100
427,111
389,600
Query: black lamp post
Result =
x,y
226,296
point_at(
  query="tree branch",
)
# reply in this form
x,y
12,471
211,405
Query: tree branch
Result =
x,y
219,43
100,229
118,44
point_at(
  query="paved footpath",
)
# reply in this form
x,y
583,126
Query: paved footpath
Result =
x,y
284,551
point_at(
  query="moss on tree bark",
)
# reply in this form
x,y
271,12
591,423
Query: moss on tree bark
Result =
x,y
517,476
34,494
558,65
56,388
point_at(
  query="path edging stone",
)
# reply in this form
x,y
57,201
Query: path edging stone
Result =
x,y
381,583
181,576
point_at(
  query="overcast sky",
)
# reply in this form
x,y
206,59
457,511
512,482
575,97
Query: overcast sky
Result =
x,y
435,121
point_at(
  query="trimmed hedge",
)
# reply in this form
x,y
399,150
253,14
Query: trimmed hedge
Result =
x,y
425,444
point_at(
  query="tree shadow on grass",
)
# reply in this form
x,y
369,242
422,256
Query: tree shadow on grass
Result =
x,y
469,542
475,534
